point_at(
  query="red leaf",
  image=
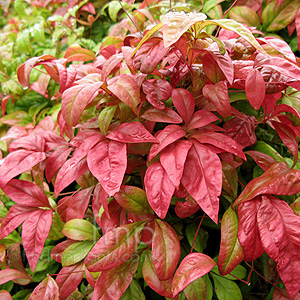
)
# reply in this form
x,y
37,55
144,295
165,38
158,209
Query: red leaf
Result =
x,y
201,118
133,132
76,98
211,68
78,204
241,130
284,108
219,140
35,231
11,274
18,162
108,161
278,228
166,115
76,53
161,287
17,214
149,55
127,90
263,160
279,179
69,278
187,208
297,23
217,94
55,161
159,189
248,233
255,88
26,193
114,248
165,250
157,91
66,77
282,294
167,136
231,252
46,290
192,267
202,178
184,103
113,283
288,136
41,85
173,157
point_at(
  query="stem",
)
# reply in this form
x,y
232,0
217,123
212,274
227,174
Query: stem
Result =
x,y
248,283
225,15
197,233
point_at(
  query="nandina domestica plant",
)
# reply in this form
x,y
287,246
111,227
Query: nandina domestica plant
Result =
x,y
163,139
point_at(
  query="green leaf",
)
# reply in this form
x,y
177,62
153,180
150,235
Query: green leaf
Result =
x,y
56,228
80,230
134,200
209,287
114,8
239,272
245,15
133,292
267,149
39,33
236,27
210,4
105,117
231,252
278,17
196,290
23,42
76,252
19,8
226,289
201,239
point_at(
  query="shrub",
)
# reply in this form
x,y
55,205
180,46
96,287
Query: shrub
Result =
x,y
171,165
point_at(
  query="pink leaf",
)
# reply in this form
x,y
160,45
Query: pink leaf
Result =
x,y
255,88
15,217
173,157
248,233
157,91
35,231
219,140
107,161
115,247
69,278
46,290
110,64
278,229
26,193
111,284
127,90
166,115
18,162
192,267
150,276
76,53
5,295
159,189
66,77
55,161
231,252
279,179
133,132
100,198
165,250
167,136
184,103
217,94
78,204
58,250
11,274
76,98
263,160
150,54
202,178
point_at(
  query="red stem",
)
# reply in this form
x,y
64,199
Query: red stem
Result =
x,y
197,233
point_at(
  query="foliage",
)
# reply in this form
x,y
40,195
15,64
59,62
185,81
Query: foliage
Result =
x,y
172,164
